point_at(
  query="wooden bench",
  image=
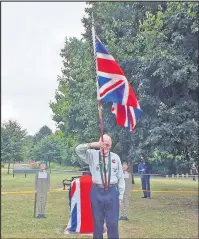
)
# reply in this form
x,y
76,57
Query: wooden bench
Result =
x,y
24,171
67,182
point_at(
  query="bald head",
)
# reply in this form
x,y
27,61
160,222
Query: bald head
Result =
x,y
107,139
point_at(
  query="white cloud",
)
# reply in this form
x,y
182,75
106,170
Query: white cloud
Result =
x,y
33,34
8,112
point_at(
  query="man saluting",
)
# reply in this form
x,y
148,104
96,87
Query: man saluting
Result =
x,y
105,204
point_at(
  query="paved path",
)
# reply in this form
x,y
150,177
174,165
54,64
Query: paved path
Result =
x,y
21,166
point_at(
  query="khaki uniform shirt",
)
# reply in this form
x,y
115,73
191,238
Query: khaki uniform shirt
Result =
x,y
42,181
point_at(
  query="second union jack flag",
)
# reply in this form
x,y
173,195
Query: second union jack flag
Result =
x,y
114,87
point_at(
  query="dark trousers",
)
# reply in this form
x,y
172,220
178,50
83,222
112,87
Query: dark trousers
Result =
x,y
105,205
146,185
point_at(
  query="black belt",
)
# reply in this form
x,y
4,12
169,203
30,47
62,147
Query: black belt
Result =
x,y
102,186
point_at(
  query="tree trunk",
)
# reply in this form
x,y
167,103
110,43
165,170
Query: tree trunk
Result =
x,y
9,167
49,167
130,165
133,181
176,166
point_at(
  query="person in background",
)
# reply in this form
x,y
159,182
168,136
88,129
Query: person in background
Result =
x,y
128,186
193,171
148,172
42,187
144,169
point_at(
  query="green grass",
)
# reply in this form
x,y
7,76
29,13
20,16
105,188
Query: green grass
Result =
x,y
167,215
22,183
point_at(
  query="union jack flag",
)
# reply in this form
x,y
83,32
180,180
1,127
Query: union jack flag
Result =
x,y
114,87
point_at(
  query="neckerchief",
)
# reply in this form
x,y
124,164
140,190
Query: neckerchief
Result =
x,y
101,163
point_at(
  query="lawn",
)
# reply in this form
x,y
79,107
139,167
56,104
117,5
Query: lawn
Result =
x,y
170,214
19,182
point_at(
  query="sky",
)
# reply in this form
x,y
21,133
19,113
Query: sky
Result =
x,y
32,36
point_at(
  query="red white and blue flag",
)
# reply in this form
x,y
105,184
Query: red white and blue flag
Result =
x,y
114,87
81,220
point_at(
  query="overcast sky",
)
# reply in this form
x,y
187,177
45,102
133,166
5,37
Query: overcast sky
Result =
x,y
32,37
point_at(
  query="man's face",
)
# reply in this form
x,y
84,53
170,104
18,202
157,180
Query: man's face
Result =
x,y
42,166
108,143
142,159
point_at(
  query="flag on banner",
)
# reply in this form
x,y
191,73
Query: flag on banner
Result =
x,y
114,87
81,220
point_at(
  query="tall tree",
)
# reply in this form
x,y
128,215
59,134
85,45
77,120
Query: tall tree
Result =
x,y
12,142
52,149
42,133
155,43
74,109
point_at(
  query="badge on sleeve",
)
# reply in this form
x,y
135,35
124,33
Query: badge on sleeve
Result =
x,y
113,160
114,170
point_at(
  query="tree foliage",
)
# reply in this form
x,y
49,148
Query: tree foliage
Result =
x,y
42,133
12,141
156,43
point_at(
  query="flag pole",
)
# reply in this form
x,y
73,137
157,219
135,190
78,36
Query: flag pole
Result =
x,y
99,102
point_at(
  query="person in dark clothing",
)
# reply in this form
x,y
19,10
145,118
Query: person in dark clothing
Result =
x,y
144,169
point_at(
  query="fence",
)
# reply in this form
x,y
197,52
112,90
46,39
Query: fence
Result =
x,y
171,175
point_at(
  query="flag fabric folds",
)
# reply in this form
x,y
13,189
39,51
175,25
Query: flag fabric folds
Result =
x,y
114,87
81,220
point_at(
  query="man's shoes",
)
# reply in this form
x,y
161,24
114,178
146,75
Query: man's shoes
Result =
x,y
121,218
144,197
43,216
126,219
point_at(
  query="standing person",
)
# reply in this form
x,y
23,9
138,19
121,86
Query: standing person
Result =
x,y
42,187
193,171
128,187
143,169
105,204
148,171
